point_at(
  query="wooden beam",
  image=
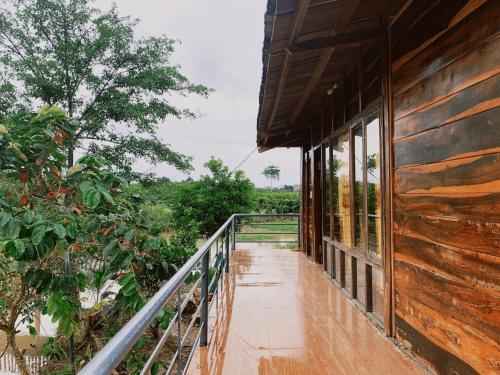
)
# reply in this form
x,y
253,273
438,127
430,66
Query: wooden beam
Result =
x,y
311,85
297,25
347,14
298,21
281,87
339,39
401,10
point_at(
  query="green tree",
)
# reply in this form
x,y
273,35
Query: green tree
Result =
x,y
210,201
48,212
89,62
272,172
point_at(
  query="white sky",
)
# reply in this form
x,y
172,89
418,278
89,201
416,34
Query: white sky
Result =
x,y
221,43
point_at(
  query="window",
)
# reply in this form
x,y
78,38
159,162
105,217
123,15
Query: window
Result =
x,y
341,189
374,188
355,256
359,186
326,190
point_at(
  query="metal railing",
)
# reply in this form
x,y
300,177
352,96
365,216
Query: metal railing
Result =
x,y
207,279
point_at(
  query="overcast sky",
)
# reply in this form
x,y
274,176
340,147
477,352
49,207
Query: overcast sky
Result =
x,y
220,46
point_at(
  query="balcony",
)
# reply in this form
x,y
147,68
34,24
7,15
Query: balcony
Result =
x,y
268,310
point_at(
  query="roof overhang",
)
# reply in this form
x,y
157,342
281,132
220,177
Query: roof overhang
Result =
x,y
308,46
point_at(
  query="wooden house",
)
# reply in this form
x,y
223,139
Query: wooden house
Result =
x,y
395,107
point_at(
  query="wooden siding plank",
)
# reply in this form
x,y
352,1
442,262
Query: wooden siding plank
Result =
x,y
474,236
471,136
466,35
482,63
483,207
437,358
459,319
477,98
478,174
476,270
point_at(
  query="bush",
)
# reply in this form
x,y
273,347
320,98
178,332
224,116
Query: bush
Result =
x,y
160,216
277,202
212,199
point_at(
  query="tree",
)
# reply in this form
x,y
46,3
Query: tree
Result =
x,y
49,213
212,199
88,61
272,172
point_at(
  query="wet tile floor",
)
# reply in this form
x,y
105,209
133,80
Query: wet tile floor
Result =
x,y
280,315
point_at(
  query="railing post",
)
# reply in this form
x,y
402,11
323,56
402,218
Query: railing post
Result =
x,y
226,246
179,332
204,298
298,231
233,228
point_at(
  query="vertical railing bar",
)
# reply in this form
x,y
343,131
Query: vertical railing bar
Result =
x,y
195,345
232,231
172,362
179,332
227,250
204,295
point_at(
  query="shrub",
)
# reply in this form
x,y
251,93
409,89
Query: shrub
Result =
x,y
277,202
213,198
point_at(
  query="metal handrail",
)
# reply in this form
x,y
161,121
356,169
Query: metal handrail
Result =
x,y
110,356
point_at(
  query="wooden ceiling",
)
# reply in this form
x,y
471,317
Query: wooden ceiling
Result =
x,y
308,46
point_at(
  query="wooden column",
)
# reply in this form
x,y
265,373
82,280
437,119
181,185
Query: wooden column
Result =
x,y
388,248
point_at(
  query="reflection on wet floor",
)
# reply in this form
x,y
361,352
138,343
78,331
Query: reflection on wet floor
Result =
x,y
280,315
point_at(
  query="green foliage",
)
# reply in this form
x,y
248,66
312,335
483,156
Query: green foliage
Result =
x,y
89,62
52,350
209,201
49,213
277,202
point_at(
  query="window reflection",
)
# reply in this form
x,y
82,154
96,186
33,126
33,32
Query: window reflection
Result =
x,y
359,190
374,192
326,190
341,193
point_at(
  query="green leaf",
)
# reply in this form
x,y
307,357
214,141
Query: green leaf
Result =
x,y
20,248
4,219
60,231
29,217
105,193
63,309
128,284
75,169
86,186
72,230
110,247
13,228
92,198
32,330
38,234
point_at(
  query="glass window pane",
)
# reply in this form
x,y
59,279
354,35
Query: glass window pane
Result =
x,y
361,279
378,293
359,191
326,189
341,191
374,192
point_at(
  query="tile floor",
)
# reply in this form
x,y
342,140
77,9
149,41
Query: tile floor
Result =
x,y
280,315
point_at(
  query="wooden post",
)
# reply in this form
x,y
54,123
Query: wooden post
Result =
x,y
388,248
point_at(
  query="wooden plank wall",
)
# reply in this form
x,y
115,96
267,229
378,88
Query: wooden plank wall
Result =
x,y
446,100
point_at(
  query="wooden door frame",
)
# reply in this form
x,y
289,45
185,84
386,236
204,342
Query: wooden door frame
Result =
x,y
317,217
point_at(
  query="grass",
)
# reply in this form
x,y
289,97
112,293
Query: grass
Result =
x,y
281,226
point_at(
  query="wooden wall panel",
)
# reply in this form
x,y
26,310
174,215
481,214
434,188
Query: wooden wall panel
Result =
x,y
472,325
433,145
446,203
451,45
479,64
476,98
